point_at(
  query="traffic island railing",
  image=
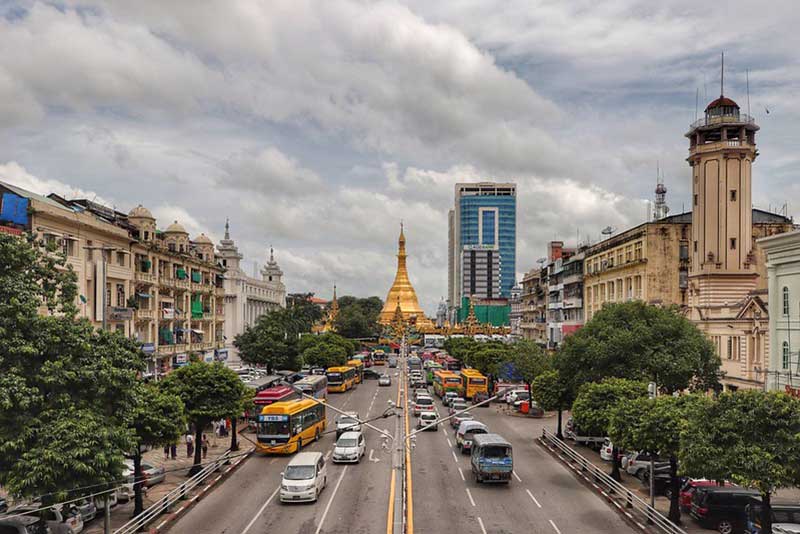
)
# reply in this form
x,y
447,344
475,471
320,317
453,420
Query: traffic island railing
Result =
x,y
165,503
624,499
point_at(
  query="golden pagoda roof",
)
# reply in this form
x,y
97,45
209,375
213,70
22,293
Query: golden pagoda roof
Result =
x,y
401,294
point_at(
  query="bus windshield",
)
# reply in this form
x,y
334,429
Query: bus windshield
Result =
x,y
334,377
274,428
299,472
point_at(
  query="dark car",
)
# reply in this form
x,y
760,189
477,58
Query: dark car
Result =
x,y
688,487
371,374
785,516
722,509
480,397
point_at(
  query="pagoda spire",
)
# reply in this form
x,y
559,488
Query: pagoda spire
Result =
x,y
401,295
227,229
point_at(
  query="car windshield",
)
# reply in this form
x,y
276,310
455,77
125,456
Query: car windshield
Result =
x,y
425,401
349,442
494,451
477,430
299,472
347,421
459,405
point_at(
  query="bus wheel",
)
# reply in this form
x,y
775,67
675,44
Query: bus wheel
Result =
x,y
316,435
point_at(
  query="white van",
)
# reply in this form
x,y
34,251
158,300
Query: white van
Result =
x,y
350,447
304,478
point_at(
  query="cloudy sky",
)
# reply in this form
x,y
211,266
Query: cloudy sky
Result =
x,y
316,126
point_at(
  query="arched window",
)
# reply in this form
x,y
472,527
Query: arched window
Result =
x,y
785,354
786,301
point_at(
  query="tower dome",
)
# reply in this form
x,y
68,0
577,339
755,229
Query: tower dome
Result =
x,y
176,228
140,212
202,239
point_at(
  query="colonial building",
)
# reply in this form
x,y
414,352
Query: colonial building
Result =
x,y
533,325
783,273
515,315
179,293
727,293
246,298
649,262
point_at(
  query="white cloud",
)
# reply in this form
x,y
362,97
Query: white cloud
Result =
x,y
15,174
271,172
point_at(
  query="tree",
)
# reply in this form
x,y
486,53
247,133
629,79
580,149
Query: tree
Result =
x,y
358,317
209,392
654,425
460,347
751,437
640,342
66,390
596,402
550,391
324,355
157,420
529,361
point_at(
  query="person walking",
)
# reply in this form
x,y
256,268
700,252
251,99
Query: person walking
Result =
x,y
205,446
166,452
173,450
189,445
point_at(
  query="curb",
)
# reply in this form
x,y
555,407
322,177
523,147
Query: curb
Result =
x,y
170,518
582,477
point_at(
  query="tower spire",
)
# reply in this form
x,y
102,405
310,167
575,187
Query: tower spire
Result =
x,y
227,228
271,255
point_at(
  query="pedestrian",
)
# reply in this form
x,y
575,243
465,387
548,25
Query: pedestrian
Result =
x,y
189,445
166,452
205,446
173,450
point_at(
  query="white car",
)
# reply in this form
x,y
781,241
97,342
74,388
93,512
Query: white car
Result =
x,y
350,447
304,478
347,423
428,418
423,404
607,450
516,395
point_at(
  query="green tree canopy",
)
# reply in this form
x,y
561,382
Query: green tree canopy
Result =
x,y
273,340
209,391
550,391
595,403
324,355
358,317
460,347
529,360
66,390
751,437
640,342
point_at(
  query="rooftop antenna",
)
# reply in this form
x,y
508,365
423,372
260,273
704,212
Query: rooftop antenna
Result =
x,y
722,75
747,77
696,102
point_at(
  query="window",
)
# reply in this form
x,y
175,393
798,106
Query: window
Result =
x,y
146,235
786,301
120,295
121,259
171,247
733,195
89,249
733,243
785,355
695,246
695,199
730,348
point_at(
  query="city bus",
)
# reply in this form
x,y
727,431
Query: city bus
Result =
x,y
414,364
378,357
268,396
358,365
444,381
287,426
452,364
472,382
432,367
314,385
341,379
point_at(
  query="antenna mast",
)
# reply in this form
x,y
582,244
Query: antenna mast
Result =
x,y
747,74
722,76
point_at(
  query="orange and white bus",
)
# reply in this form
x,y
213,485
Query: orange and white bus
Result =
x,y
286,427
444,381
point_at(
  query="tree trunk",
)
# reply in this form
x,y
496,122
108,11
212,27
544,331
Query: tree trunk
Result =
x,y
559,435
675,488
138,482
198,451
234,442
615,474
766,513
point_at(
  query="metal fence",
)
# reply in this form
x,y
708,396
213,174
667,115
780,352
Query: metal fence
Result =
x,y
611,488
164,504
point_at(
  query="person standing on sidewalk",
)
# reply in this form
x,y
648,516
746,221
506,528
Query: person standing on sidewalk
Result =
x,y
166,452
189,445
205,446
173,450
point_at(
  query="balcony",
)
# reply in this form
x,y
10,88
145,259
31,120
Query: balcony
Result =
x,y
219,291
180,347
182,284
145,278
166,349
207,316
144,314
167,282
555,305
573,303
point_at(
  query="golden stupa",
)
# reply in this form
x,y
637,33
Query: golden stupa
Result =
x,y
402,296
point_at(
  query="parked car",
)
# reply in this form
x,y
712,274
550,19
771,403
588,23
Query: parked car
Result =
x,y
152,474
466,431
24,524
607,451
58,519
457,420
385,380
87,509
636,463
785,517
687,490
319,371
350,447
428,418
517,395
3,505
533,408
370,374
721,508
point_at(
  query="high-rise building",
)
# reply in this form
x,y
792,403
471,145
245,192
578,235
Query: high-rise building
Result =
x,y
482,242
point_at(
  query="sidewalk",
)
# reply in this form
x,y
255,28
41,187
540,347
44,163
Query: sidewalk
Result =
x,y
176,472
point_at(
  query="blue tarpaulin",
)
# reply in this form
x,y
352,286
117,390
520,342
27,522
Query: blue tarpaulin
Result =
x,y
14,209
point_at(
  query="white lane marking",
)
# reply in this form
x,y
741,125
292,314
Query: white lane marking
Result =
x,y
471,500
273,460
534,498
516,476
448,442
454,456
330,501
328,454
480,522
554,526
260,510
460,472
371,459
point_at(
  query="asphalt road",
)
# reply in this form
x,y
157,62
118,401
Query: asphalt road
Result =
x,y
355,501
543,496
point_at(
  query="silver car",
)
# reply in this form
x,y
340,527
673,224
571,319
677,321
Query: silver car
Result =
x,y
385,380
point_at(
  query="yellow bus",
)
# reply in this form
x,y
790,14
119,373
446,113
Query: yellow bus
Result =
x,y
287,426
341,379
358,365
472,382
444,381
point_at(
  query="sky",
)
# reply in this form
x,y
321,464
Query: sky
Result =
x,y
317,126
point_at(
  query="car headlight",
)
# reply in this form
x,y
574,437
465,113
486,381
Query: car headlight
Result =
x,y
284,487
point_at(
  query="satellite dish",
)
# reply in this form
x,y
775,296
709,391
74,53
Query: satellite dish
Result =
x,y
608,230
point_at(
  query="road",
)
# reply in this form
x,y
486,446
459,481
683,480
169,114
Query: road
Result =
x,y
356,500
543,497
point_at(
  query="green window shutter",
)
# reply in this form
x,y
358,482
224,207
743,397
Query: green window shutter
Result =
x,y
197,277
181,274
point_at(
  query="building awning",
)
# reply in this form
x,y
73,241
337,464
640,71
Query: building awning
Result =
x,y
196,331
144,295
